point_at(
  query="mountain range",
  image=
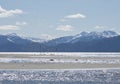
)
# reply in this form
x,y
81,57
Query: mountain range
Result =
x,y
106,41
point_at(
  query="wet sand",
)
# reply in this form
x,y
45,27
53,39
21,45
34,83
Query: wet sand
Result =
x,y
54,65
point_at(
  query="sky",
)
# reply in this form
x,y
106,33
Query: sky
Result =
x,y
56,18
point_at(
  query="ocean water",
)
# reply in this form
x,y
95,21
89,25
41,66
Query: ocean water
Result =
x,y
98,76
54,82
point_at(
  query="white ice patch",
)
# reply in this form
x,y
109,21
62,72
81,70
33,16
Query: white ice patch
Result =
x,y
10,40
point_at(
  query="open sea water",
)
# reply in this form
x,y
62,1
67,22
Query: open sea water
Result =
x,y
89,76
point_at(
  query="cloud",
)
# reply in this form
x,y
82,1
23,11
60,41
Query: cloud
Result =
x,y
75,16
9,27
21,23
12,27
100,27
7,13
65,28
47,36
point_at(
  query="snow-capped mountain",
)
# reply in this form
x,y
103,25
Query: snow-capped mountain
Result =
x,y
105,34
106,41
83,36
60,40
13,37
15,43
88,36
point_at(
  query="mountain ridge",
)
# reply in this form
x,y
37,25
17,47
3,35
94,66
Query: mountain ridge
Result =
x,y
83,36
106,41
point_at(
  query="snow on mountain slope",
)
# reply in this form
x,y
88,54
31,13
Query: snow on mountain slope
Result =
x,y
88,36
60,40
83,36
13,37
108,41
10,40
106,34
